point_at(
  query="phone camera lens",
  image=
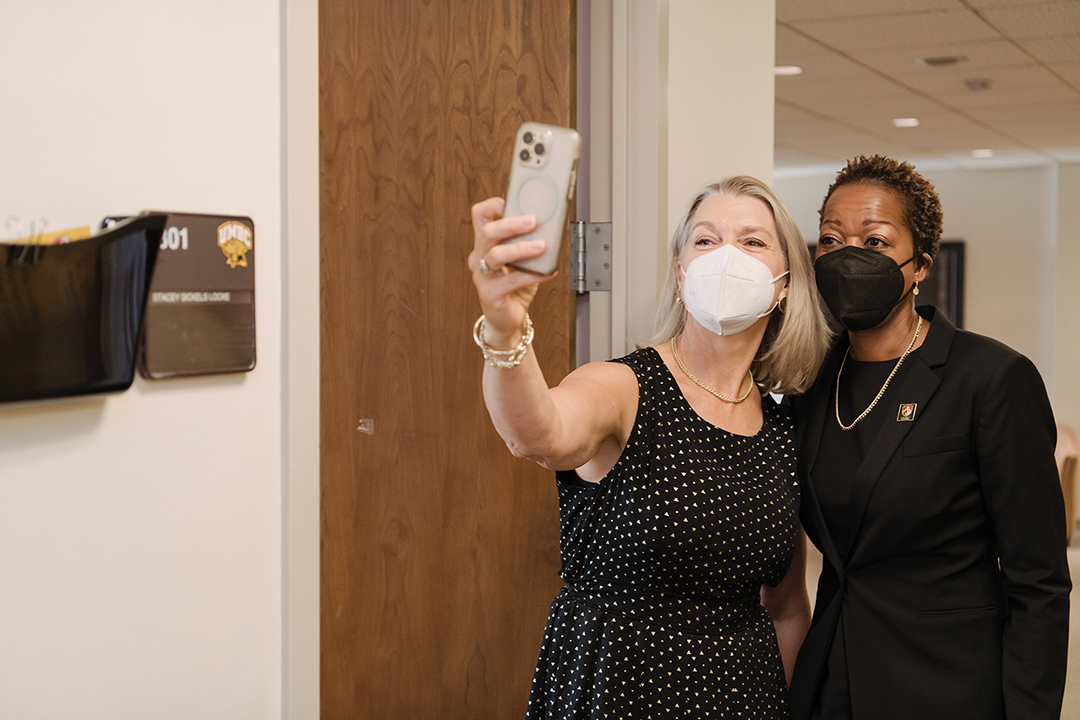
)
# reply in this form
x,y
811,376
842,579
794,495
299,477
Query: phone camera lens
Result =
x,y
524,155
527,137
539,148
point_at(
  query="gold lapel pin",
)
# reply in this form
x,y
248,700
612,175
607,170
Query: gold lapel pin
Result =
x,y
907,412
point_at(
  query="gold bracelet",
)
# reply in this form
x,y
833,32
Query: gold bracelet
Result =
x,y
504,359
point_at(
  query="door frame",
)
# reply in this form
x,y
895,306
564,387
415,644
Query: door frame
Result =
x,y
300,369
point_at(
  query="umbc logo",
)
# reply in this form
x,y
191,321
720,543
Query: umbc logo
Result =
x,y
234,239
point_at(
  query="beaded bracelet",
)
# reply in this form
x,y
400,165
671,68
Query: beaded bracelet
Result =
x,y
504,359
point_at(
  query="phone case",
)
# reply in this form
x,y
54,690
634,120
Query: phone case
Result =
x,y
543,174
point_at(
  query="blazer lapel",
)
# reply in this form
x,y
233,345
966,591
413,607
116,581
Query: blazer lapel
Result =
x,y
918,387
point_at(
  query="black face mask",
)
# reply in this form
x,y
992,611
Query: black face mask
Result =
x,y
860,286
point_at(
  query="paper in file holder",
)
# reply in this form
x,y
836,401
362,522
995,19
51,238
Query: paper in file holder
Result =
x,y
71,314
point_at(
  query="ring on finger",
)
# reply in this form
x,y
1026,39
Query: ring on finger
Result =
x,y
484,269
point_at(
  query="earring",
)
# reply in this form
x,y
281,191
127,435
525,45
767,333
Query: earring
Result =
x,y
678,300
916,290
782,305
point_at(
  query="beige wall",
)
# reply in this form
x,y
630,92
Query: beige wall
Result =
x,y
720,95
1006,218
141,534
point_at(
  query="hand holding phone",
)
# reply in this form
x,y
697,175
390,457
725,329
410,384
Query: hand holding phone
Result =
x,y
543,175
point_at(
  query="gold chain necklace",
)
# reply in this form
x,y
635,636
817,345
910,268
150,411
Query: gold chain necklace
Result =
x,y
881,391
722,396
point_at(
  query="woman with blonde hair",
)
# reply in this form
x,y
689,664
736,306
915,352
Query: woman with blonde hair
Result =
x,y
684,564
789,359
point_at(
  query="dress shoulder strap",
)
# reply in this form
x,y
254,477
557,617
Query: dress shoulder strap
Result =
x,y
653,377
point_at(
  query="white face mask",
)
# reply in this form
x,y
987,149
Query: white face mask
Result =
x,y
727,290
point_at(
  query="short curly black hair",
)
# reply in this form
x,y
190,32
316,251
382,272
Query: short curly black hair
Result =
x,y
922,206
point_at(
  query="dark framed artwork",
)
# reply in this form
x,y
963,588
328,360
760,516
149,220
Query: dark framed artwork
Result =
x,y
944,285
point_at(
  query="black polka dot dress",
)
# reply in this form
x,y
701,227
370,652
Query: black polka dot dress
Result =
x,y
663,562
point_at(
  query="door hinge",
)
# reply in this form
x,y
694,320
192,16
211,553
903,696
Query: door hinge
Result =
x,y
590,256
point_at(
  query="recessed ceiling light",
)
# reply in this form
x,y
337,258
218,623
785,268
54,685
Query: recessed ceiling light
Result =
x,y
905,122
940,60
984,153
787,70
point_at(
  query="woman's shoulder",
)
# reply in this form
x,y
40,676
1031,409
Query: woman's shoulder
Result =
x,y
982,361
639,372
604,378
644,357
948,343
966,342
984,355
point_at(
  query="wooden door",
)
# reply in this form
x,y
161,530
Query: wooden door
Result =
x,y
439,549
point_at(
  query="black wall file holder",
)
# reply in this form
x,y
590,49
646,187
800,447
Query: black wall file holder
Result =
x,y
71,315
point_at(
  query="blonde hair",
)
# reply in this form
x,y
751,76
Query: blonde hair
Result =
x,y
796,339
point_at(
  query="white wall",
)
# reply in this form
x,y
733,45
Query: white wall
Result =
x,y
666,72
720,99
141,533
1022,249
1006,218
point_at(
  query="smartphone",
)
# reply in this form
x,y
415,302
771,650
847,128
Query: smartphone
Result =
x,y
543,174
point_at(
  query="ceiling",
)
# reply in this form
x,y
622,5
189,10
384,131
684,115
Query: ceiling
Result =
x,y
1016,90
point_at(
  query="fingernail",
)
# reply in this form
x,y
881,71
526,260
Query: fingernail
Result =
x,y
537,244
527,221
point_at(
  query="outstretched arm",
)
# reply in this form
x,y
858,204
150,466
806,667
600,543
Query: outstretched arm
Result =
x,y
584,420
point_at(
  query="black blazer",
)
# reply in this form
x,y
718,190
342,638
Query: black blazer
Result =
x,y
934,625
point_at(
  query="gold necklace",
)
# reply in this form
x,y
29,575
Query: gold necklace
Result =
x,y
675,352
881,391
